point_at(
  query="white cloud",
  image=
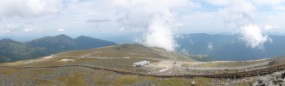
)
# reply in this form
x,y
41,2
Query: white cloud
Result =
x,y
28,8
274,5
271,3
60,29
254,36
16,29
8,28
239,12
40,30
106,17
268,27
28,30
243,14
210,46
218,2
160,35
122,29
280,8
157,16
268,2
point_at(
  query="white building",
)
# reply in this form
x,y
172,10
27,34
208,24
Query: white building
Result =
x,y
141,63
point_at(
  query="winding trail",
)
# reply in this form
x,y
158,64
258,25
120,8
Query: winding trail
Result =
x,y
234,75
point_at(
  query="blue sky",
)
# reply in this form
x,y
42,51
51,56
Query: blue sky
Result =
x,y
111,18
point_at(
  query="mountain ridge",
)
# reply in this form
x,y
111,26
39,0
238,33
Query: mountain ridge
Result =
x,y
45,46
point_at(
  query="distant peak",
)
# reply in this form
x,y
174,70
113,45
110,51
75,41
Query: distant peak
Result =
x,y
82,37
63,36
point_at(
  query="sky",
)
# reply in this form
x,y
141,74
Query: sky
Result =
x,y
153,21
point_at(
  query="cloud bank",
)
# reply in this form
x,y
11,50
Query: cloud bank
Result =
x,y
156,20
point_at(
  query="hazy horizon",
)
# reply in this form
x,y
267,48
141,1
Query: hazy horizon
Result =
x,y
154,25
125,37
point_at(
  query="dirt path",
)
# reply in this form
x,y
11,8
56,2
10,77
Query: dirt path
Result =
x,y
241,74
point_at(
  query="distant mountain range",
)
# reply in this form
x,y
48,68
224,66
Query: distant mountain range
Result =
x,y
229,47
214,47
11,50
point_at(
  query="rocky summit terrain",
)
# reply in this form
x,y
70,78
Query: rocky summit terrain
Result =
x,y
118,66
